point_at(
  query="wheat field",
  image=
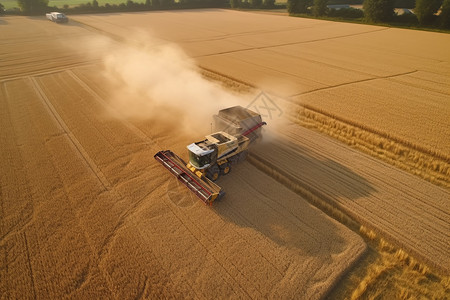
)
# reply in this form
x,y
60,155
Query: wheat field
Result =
x,y
86,212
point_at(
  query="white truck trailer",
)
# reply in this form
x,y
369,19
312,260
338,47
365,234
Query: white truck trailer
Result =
x,y
57,17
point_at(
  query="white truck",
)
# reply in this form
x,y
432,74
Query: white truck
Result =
x,y
57,17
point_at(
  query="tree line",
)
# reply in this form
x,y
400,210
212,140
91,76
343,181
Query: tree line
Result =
x,y
434,13
36,7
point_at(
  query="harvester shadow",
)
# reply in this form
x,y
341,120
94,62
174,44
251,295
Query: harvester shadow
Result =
x,y
275,212
319,175
263,194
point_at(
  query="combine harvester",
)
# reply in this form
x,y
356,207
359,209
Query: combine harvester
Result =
x,y
208,159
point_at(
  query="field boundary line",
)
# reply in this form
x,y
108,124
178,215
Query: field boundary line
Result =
x,y
291,43
352,82
90,163
20,226
94,29
53,70
27,249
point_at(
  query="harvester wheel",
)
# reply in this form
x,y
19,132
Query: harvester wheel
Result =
x,y
225,169
213,173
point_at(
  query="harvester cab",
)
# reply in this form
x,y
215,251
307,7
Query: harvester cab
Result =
x,y
213,156
217,153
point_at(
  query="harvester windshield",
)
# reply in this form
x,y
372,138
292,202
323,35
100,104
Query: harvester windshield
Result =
x,y
199,155
199,161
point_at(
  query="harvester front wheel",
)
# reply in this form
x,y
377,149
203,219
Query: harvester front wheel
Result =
x,y
213,173
225,169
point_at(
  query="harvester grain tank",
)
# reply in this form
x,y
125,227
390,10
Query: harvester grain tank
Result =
x,y
215,155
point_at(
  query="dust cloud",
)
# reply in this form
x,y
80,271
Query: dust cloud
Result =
x,y
154,80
